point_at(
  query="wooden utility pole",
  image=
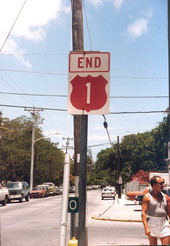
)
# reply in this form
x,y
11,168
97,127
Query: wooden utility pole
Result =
x,y
36,120
118,169
80,131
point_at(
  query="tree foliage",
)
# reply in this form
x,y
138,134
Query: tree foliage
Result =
x,y
15,153
142,151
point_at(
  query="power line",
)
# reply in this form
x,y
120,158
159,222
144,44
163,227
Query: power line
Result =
x,y
65,110
62,53
55,95
42,108
33,54
140,112
97,145
88,30
66,74
23,94
106,127
129,97
31,94
126,77
13,26
36,72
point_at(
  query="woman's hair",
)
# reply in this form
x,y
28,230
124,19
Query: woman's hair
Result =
x,y
153,180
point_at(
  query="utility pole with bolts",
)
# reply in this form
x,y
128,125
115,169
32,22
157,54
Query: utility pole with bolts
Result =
x,y
80,133
36,120
67,144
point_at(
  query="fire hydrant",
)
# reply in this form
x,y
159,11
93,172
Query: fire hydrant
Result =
x,y
73,242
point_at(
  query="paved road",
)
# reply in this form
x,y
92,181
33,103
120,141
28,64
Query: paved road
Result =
x,y
36,223
109,227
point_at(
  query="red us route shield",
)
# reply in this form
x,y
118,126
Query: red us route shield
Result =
x,y
88,90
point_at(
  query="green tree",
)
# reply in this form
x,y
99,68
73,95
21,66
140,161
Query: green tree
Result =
x,y
138,151
142,151
16,153
160,134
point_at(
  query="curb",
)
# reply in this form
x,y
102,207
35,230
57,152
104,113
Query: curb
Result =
x,y
110,219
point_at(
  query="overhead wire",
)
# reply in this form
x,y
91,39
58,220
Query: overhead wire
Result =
x,y
65,110
23,95
7,39
88,30
13,87
55,95
66,74
13,25
55,73
105,124
63,53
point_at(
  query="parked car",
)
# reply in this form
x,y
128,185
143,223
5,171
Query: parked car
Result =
x,y
138,199
38,192
18,191
51,187
4,194
61,188
46,188
108,192
71,189
132,194
58,191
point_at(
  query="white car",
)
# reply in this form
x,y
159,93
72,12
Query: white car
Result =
x,y
4,194
108,192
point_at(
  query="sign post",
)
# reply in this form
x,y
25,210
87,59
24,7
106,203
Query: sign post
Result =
x,y
73,205
89,76
88,93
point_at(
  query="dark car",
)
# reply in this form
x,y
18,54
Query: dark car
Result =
x,y
18,191
139,198
133,194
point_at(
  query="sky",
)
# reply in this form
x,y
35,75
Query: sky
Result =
x,y
35,42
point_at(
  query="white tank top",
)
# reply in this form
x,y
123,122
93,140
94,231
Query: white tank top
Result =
x,y
157,208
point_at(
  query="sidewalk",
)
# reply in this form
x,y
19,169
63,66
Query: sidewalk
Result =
x,y
120,210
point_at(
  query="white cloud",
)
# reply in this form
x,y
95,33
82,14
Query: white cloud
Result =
x,y
116,3
31,24
138,28
12,47
96,2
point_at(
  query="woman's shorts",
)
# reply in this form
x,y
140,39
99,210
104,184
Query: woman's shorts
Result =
x,y
159,227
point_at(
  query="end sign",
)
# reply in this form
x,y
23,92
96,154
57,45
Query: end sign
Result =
x,y
89,83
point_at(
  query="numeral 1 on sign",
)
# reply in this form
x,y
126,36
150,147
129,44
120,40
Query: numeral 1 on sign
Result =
x,y
88,85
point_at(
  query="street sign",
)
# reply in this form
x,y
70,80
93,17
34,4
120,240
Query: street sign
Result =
x,y
89,77
73,205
